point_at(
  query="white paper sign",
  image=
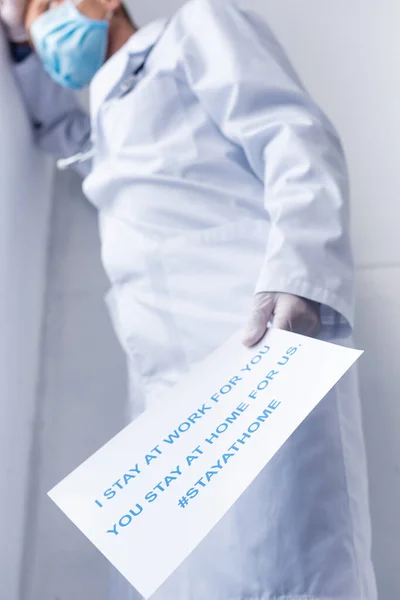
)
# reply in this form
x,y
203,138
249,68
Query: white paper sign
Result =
x,y
151,494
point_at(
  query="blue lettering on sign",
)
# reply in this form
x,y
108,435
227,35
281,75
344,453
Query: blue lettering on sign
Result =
x,y
222,427
126,520
187,424
241,441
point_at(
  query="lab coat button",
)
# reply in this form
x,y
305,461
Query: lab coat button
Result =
x,y
127,85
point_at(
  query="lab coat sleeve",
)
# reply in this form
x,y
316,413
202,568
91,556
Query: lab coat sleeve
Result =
x,y
246,84
60,125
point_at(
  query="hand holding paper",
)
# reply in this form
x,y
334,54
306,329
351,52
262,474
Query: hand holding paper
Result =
x,y
286,311
175,471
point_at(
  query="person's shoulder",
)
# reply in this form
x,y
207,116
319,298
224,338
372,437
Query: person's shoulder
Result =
x,y
197,12
203,8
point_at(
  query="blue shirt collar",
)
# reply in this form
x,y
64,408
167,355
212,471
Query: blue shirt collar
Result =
x,y
137,47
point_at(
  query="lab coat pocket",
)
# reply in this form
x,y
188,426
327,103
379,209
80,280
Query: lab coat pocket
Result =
x,y
137,303
150,124
210,277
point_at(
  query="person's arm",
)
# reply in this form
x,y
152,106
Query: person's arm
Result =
x,y
246,84
60,125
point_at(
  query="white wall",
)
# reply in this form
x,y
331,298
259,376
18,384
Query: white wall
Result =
x,y
24,212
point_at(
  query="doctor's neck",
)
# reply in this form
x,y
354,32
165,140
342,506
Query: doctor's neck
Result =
x,y
121,29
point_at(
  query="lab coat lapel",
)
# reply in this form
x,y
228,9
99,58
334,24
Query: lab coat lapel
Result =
x,y
123,62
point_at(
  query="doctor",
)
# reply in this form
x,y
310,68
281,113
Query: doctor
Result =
x,y
222,192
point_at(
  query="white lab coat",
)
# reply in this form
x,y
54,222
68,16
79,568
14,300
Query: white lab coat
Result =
x,y
216,176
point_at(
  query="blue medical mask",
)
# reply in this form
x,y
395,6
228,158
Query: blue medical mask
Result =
x,y
71,46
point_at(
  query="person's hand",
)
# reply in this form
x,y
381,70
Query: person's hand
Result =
x,y
283,311
12,14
